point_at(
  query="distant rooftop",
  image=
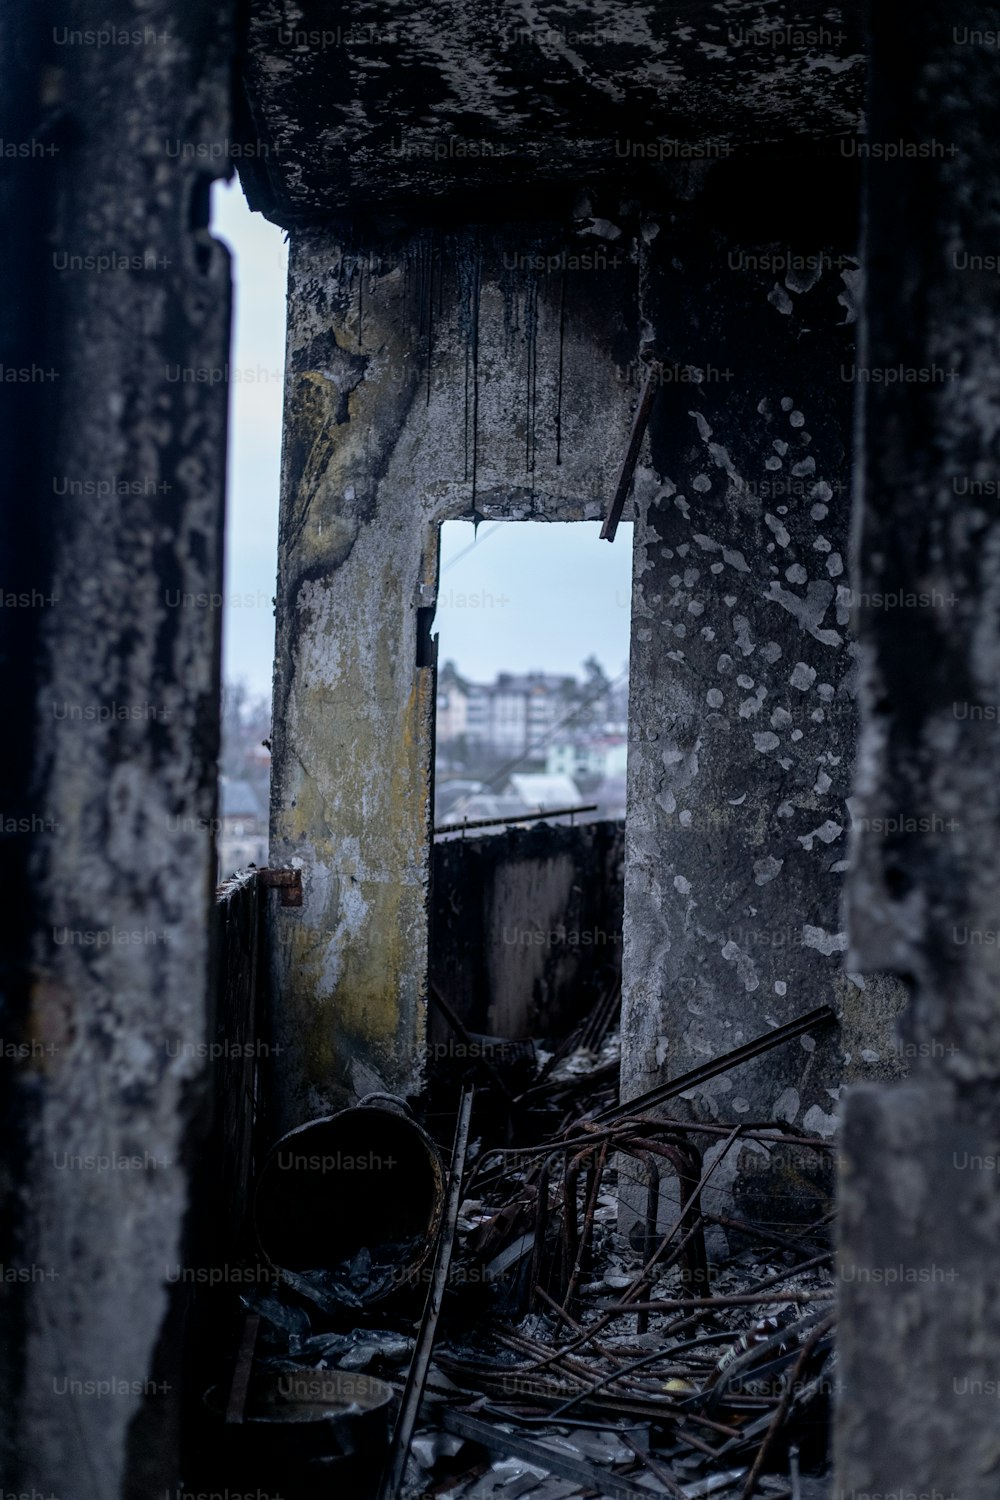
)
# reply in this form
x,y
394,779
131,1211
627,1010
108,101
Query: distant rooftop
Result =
x,y
544,791
238,799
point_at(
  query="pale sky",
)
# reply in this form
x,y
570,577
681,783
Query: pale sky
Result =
x,y
521,596
527,595
259,272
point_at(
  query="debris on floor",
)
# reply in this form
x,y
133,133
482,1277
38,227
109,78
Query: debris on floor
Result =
x,y
559,1356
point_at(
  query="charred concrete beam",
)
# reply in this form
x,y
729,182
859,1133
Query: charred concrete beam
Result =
x,y
116,344
920,1323
356,107
480,374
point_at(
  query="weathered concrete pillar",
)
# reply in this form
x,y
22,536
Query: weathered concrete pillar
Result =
x,y
920,1215
435,376
743,669
115,342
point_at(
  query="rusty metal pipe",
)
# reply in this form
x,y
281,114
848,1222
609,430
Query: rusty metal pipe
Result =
x,y
686,1160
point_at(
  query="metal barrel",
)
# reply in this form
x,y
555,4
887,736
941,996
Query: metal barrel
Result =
x,y
368,1177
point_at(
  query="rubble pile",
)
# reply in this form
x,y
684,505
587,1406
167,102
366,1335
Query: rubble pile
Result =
x,y
650,1369
556,1354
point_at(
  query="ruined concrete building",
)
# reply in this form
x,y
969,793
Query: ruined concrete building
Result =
x,y
775,225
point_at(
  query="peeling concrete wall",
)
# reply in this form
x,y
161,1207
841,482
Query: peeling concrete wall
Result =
x,y
920,1212
705,123
430,375
744,671
120,462
526,927
445,374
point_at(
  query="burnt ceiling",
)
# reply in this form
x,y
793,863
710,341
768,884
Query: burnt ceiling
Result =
x,y
375,105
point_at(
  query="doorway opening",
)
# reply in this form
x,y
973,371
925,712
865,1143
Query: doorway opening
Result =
x,y
532,696
531,748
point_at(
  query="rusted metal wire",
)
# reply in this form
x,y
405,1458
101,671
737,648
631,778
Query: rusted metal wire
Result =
x,y
647,1270
540,1220
758,1233
784,1404
741,1299
575,1252
746,1361
657,1470
767,1133
652,1215
560,1312
686,1160
580,1370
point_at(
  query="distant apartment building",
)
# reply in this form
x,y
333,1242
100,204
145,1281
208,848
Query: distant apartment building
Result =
x,y
604,756
478,715
452,707
242,833
525,708
512,715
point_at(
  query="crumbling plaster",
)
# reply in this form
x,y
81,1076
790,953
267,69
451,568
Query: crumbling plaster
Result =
x,y
743,712
438,376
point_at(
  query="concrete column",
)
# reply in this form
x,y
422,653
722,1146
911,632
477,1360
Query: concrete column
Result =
x,y
430,376
920,1219
743,672
115,340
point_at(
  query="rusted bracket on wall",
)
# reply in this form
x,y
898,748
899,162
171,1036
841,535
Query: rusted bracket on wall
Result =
x,y
288,882
639,424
